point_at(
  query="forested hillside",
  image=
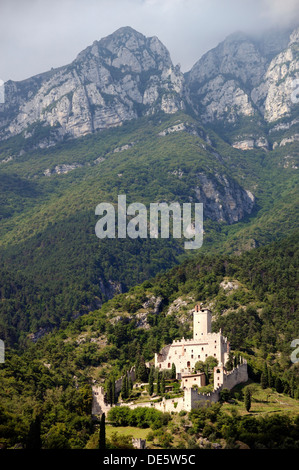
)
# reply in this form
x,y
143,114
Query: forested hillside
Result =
x,y
53,267
258,313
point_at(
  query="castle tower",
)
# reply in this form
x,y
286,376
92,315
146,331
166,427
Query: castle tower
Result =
x,y
202,320
219,376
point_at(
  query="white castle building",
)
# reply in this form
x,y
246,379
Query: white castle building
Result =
x,y
185,353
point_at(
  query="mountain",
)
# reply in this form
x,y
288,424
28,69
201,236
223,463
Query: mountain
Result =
x,y
126,75
121,119
118,78
239,72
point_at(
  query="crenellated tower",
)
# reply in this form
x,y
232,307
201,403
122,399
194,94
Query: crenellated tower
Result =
x,y
202,321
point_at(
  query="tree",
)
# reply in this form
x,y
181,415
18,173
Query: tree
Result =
x,y
130,384
278,385
211,362
247,399
224,395
125,387
141,372
173,371
158,384
230,362
270,378
102,437
113,394
34,438
110,392
120,441
264,377
199,366
151,382
162,386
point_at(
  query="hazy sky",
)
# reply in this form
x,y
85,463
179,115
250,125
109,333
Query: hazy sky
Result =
x,y
36,35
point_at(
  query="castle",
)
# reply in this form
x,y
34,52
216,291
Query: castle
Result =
x,y
184,354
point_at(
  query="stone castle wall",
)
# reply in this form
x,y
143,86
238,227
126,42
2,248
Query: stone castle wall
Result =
x,y
191,399
99,405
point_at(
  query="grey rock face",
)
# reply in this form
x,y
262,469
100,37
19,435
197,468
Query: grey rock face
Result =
x,y
116,79
224,200
274,95
246,77
126,75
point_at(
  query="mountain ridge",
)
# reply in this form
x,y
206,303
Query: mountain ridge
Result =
x,y
126,75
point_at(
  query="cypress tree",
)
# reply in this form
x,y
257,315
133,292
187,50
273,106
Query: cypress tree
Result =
x,y
162,386
158,383
125,387
173,371
108,392
113,394
264,377
130,384
102,436
142,370
247,399
151,382
278,385
34,438
270,378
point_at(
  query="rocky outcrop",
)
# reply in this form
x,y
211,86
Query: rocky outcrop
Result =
x,y
246,76
251,142
116,79
274,96
126,75
224,200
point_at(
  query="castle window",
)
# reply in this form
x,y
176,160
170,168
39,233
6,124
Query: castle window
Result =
x,y
198,356
168,365
188,364
191,356
202,349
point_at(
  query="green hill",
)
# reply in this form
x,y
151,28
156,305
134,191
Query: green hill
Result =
x,y
53,267
257,312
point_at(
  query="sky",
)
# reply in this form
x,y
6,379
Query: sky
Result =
x,y
36,35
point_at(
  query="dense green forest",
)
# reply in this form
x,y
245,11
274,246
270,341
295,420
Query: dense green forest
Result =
x,y
52,266
49,385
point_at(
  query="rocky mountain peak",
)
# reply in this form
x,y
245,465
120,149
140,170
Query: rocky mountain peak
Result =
x,y
117,78
246,76
126,75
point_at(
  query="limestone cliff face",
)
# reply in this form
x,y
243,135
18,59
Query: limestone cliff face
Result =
x,y
127,75
118,78
274,96
246,77
223,198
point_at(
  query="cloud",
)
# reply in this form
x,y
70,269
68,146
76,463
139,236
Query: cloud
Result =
x,y
282,12
36,35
